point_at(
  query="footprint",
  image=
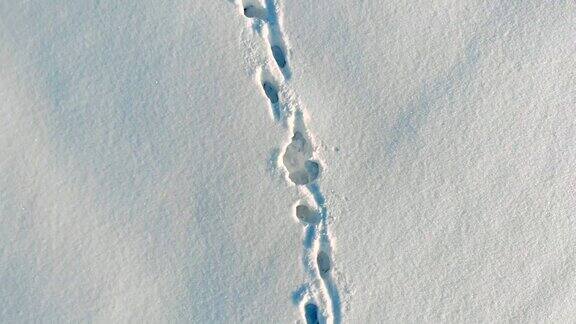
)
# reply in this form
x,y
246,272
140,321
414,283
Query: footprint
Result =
x,y
271,91
311,313
301,170
313,169
324,264
255,11
307,215
279,56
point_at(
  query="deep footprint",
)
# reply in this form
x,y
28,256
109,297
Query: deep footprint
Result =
x,y
279,56
252,11
311,314
271,91
307,215
313,169
301,170
324,264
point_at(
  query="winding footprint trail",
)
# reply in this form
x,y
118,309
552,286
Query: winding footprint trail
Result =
x,y
318,298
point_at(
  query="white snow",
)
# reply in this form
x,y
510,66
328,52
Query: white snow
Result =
x,y
371,161
453,190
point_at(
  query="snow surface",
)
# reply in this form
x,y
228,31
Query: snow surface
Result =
x,y
283,161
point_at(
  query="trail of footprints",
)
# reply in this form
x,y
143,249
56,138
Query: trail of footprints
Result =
x,y
320,301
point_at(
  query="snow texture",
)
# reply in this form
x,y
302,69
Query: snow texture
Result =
x,y
287,161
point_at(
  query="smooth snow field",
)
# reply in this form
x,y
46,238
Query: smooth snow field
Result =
x,y
282,161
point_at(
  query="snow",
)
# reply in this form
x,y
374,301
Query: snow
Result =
x,y
284,161
453,188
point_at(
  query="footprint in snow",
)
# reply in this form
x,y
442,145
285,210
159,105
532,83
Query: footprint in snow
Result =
x,y
296,159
